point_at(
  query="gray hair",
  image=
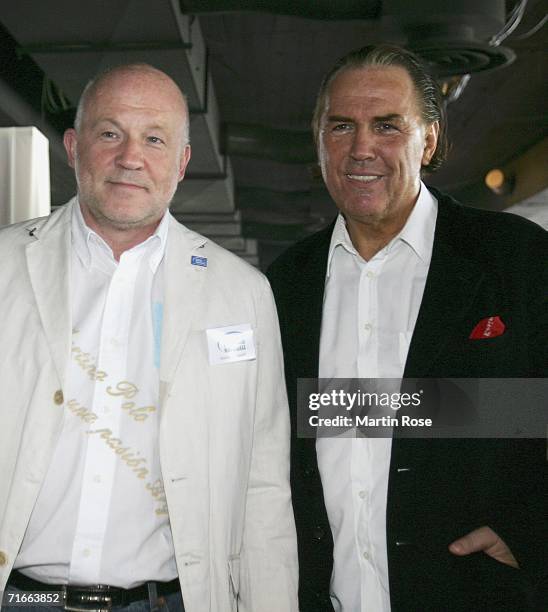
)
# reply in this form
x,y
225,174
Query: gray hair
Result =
x,y
428,91
94,84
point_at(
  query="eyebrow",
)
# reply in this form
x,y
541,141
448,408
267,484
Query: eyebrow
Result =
x,y
105,120
340,118
389,117
157,126
154,127
343,119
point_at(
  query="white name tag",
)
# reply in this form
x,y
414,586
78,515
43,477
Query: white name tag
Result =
x,y
231,343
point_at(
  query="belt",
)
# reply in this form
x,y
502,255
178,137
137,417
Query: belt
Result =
x,y
95,596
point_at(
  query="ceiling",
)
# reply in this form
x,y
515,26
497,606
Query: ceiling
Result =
x,y
251,78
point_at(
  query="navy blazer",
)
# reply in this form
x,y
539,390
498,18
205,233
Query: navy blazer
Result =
x,y
483,264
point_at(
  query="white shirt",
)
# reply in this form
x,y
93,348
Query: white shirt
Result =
x,y
369,314
101,515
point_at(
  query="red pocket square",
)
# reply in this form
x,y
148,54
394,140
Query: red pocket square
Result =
x,y
491,327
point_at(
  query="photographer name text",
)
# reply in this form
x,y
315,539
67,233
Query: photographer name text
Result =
x,y
367,421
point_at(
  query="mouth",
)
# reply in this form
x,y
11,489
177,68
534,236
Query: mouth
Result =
x,y
130,186
364,178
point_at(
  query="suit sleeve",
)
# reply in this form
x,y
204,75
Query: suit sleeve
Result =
x,y
269,572
521,522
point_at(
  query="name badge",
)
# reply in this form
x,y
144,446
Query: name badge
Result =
x,y
231,343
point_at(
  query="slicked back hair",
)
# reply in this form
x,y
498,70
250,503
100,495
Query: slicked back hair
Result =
x,y
427,89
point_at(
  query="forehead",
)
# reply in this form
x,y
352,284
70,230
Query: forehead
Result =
x,y
143,96
383,89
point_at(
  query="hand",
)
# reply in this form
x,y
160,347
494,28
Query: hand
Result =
x,y
486,540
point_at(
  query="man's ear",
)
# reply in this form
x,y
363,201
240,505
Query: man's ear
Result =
x,y
69,140
430,142
183,163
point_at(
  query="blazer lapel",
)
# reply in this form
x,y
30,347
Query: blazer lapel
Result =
x,y
451,285
303,317
48,261
307,304
450,288
183,283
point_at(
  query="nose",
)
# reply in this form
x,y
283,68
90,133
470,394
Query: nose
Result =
x,y
363,145
130,154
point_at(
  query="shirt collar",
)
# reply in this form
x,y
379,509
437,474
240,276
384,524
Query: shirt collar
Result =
x,y
418,231
89,246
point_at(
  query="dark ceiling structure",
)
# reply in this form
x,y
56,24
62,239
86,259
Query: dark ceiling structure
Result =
x,y
251,71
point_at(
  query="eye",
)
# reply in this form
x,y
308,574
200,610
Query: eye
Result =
x,y
341,127
386,127
109,135
155,140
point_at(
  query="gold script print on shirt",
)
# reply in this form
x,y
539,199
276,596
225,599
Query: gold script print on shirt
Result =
x,y
87,415
126,453
128,390
136,464
88,363
156,489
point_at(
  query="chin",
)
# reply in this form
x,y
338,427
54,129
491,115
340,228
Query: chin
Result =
x,y
367,210
126,211
121,219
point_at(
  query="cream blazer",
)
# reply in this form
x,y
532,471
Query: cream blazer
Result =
x,y
224,430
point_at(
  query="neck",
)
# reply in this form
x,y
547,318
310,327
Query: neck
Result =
x,y
367,241
119,238
369,236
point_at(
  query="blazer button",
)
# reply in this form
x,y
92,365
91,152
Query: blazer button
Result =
x,y
58,397
318,533
3,558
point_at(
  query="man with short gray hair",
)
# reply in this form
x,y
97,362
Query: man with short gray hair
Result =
x,y
145,433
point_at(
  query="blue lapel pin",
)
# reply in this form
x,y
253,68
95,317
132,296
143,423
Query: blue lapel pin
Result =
x,y
198,261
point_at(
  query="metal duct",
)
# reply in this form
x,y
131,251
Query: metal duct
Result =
x,y
261,142
319,9
454,38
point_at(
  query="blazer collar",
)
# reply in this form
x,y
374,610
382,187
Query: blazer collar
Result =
x,y
306,309
452,282
48,261
183,286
